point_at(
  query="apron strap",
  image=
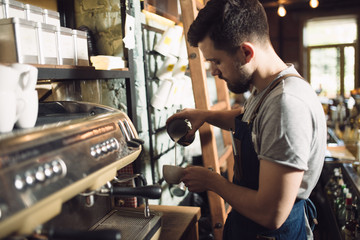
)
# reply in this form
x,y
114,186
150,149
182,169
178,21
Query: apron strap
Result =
x,y
272,86
236,143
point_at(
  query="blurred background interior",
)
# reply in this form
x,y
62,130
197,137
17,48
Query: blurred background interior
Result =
x,y
121,65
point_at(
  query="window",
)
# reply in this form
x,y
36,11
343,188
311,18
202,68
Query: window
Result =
x,y
331,47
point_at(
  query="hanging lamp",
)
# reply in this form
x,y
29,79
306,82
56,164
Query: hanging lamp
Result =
x,y
281,10
314,3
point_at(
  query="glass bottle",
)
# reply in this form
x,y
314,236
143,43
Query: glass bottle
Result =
x,y
342,208
350,224
339,196
332,183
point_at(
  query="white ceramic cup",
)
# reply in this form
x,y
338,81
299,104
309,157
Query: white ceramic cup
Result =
x,y
28,75
8,113
9,78
172,174
161,96
28,116
170,41
166,69
180,67
182,49
179,90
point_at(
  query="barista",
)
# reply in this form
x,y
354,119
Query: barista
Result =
x,y
281,134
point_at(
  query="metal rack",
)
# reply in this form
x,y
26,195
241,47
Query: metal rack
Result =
x,y
89,73
326,213
153,130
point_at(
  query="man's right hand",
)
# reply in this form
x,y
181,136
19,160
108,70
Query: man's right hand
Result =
x,y
195,116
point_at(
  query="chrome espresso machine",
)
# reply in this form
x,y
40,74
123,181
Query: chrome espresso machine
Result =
x,y
60,179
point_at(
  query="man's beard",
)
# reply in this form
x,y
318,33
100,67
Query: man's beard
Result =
x,y
242,84
239,87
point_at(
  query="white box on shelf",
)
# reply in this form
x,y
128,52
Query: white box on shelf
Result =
x,y
66,46
102,62
2,9
51,17
19,41
34,13
14,9
81,48
48,43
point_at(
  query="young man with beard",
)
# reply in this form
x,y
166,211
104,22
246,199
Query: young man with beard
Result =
x,y
282,131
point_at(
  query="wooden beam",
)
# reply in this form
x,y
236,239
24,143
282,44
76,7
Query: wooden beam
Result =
x,y
207,136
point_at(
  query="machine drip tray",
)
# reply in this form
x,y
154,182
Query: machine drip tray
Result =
x,y
132,224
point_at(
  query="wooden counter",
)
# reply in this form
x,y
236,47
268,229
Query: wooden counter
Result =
x,y
341,153
178,222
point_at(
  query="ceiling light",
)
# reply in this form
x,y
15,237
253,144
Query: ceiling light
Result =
x,y
281,11
314,3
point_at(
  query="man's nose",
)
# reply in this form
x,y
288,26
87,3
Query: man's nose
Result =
x,y
214,70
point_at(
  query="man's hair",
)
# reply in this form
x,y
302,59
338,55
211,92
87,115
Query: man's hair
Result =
x,y
229,23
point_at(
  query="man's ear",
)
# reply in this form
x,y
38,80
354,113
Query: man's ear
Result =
x,y
247,51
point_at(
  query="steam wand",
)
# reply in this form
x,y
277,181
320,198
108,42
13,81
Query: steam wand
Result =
x,y
152,191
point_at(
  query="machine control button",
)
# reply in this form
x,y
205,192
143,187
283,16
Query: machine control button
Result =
x,y
108,145
98,150
19,182
30,178
40,174
48,171
104,148
56,167
93,152
112,143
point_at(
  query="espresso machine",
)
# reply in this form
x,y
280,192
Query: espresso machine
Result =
x,y
62,178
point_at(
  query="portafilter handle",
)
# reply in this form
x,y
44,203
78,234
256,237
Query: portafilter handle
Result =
x,y
151,191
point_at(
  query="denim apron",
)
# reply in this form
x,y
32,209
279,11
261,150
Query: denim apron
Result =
x,y
239,227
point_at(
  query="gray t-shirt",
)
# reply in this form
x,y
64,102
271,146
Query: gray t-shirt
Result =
x,y
290,128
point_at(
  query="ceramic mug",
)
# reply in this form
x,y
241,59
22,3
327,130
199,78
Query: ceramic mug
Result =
x,y
170,41
180,68
160,98
9,78
166,69
172,174
9,110
28,116
28,76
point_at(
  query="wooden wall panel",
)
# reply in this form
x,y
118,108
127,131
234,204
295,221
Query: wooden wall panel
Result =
x,y
47,4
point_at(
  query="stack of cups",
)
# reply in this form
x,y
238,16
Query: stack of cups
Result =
x,y
160,98
18,97
172,45
166,69
178,75
169,43
181,65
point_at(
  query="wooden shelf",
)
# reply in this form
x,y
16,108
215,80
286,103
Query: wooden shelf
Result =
x,y
178,222
55,72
